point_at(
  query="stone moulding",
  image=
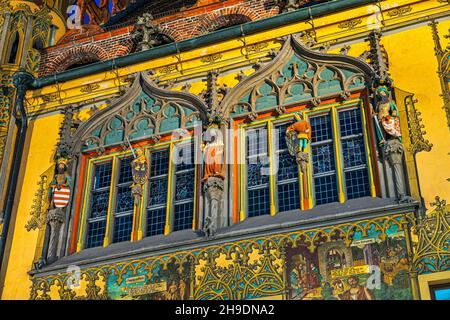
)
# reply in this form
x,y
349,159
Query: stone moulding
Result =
x,y
317,64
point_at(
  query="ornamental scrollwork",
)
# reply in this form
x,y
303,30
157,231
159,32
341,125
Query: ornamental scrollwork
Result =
x,y
443,59
432,251
416,128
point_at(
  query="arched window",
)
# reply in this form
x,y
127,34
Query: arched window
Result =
x,y
110,200
111,211
11,57
333,165
338,156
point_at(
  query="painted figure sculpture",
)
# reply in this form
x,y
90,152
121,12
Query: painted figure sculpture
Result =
x,y
140,171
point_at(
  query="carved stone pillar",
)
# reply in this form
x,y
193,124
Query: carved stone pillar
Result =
x,y
214,213
55,220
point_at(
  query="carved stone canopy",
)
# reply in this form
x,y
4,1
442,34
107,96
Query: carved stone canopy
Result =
x,y
297,75
144,112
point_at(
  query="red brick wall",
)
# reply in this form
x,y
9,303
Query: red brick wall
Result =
x,y
92,46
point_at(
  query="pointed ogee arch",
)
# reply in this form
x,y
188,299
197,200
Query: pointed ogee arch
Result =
x,y
143,112
297,75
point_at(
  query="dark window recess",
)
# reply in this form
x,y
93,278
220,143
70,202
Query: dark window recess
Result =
x,y
157,192
99,201
257,161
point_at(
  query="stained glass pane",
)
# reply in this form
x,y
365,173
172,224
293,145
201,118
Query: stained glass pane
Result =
x,y
124,199
353,153
350,122
357,184
288,196
125,174
102,176
258,202
96,234
157,192
324,169
159,163
323,158
258,199
184,183
123,215
287,176
99,205
183,216
156,221
321,128
122,228
325,189
186,157
184,191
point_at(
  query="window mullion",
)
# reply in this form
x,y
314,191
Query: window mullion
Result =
x,y
338,155
270,147
111,203
169,209
373,191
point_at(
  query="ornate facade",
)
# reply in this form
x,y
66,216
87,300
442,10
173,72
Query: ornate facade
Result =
x,y
282,150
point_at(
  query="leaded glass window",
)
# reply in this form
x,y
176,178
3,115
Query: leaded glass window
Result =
x,y
258,178
123,213
288,188
324,167
184,188
157,192
99,200
354,157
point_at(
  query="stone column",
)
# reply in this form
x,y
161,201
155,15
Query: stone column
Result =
x,y
214,213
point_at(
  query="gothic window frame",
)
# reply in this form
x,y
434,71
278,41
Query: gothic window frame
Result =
x,y
139,219
270,121
165,119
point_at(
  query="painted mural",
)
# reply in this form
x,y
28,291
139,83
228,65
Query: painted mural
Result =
x,y
369,269
169,281
366,260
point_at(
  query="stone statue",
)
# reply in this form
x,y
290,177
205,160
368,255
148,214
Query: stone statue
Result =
x,y
59,188
300,132
388,126
146,32
213,154
140,172
59,198
213,177
298,136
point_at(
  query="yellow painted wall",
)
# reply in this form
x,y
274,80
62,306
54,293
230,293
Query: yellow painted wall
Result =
x,y
39,157
412,66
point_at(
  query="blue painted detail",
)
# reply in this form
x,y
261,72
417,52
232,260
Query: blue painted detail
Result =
x,y
268,97
116,134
